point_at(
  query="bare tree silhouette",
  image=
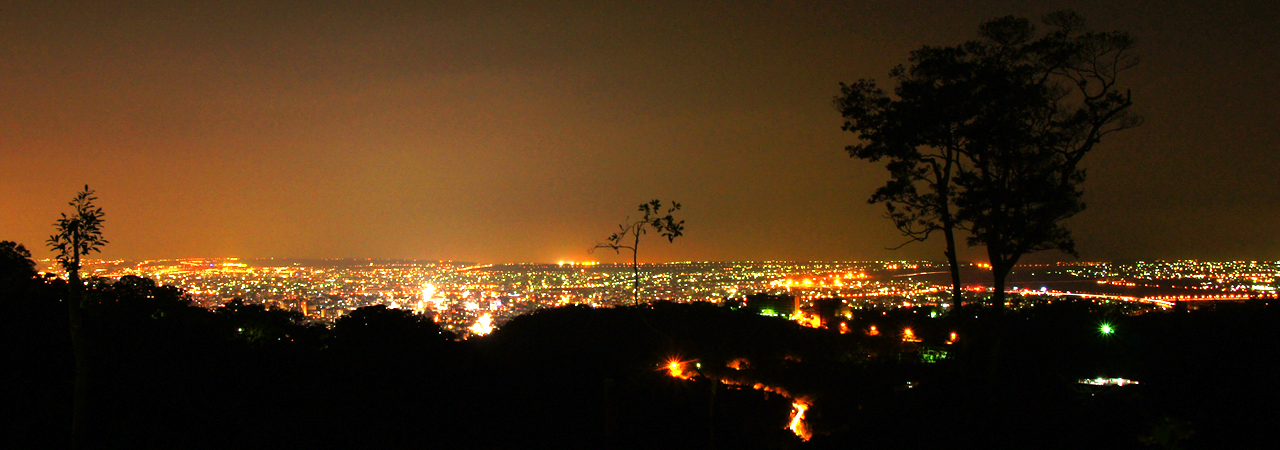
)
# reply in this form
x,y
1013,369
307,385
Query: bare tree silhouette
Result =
x,y
629,232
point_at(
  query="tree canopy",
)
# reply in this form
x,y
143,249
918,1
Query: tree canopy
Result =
x,y
79,233
17,270
988,135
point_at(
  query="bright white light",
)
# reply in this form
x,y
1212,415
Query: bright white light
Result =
x,y
1100,381
483,325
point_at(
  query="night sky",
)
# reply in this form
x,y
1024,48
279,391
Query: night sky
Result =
x,y
517,131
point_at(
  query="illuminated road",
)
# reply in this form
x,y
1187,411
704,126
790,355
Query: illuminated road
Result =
x,y
1166,301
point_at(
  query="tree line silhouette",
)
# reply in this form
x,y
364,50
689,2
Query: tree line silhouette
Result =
x,y
167,373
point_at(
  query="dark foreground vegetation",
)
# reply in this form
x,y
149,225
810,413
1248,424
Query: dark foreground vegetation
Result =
x,y
165,374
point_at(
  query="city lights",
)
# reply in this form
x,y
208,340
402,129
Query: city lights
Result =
x,y
483,325
676,368
1100,381
457,294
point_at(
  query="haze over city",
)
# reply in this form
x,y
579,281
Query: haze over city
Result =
x,y
492,132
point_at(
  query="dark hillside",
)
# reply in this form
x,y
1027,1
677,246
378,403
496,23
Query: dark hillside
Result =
x,y
168,374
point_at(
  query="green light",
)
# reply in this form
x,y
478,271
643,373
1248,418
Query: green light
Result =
x,y
931,356
1106,329
768,312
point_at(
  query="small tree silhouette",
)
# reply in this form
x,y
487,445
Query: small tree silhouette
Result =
x,y
630,231
17,270
78,235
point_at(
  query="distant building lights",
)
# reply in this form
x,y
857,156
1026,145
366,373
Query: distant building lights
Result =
x,y
1100,381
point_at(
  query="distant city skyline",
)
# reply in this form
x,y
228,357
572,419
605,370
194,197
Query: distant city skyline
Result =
x,y
466,297
501,133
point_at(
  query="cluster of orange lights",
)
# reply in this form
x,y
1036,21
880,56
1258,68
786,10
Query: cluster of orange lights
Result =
x,y
835,280
908,335
891,292
808,320
675,368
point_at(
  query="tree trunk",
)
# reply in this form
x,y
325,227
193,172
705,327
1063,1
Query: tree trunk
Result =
x,y
943,187
997,292
957,295
995,323
80,390
999,270
711,415
635,268
635,280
